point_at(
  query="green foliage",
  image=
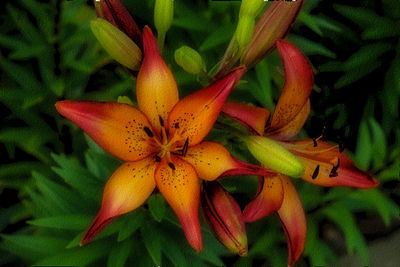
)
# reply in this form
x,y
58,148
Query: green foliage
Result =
x,y
48,53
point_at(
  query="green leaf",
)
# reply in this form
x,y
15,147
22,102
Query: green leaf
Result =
x,y
367,54
356,74
152,241
379,145
131,223
363,154
363,17
222,35
263,92
119,254
355,242
310,22
157,206
68,222
309,47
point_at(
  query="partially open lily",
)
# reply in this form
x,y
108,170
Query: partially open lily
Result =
x,y
324,164
161,143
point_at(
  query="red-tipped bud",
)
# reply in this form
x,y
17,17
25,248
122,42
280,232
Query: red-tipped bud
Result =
x,y
273,25
116,13
224,217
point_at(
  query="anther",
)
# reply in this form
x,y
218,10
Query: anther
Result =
x,y
315,142
171,165
157,158
148,131
315,173
185,147
161,121
341,147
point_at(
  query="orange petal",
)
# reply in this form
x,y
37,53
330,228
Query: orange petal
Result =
x,y
293,220
212,160
325,165
194,116
116,127
299,82
253,118
156,89
178,183
128,187
293,127
268,199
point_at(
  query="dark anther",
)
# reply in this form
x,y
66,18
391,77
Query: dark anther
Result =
x,y
324,134
171,165
333,174
315,173
334,169
158,159
185,147
176,125
161,121
315,142
148,131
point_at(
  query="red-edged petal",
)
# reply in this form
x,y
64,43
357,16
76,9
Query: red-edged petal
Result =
x,y
194,116
212,160
156,88
178,183
116,127
127,189
325,165
253,118
293,220
293,127
299,81
268,199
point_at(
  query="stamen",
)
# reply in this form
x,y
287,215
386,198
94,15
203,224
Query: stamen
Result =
x,y
315,173
185,147
157,158
341,147
171,165
148,131
161,121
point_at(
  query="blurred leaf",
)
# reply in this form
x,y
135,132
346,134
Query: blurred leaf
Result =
x,y
222,35
367,54
363,154
379,145
157,206
152,241
68,222
309,47
355,242
310,21
119,254
132,222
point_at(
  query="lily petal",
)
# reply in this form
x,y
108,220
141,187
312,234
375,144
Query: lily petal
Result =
x,y
127,189
193,117
293,127
293,220
212,160
118,128
178,183
268,199
156,88
299,81
325,165
253,118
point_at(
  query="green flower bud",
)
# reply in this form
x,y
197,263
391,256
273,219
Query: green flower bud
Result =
x,y
163,15
116,43
244,31
251,7
189,59
274,156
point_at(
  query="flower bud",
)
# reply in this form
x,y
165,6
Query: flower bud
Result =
x,y
189,59
117,44
224,217
251,7
273,25
274,156
115,12
163,15
125,100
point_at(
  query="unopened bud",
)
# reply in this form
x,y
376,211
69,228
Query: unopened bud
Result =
x,y
189,59
117,44
251,7
224,217
273,25
115,12
163,15
274,156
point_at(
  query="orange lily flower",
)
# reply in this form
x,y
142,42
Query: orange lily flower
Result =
x,y
324,164
161,143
